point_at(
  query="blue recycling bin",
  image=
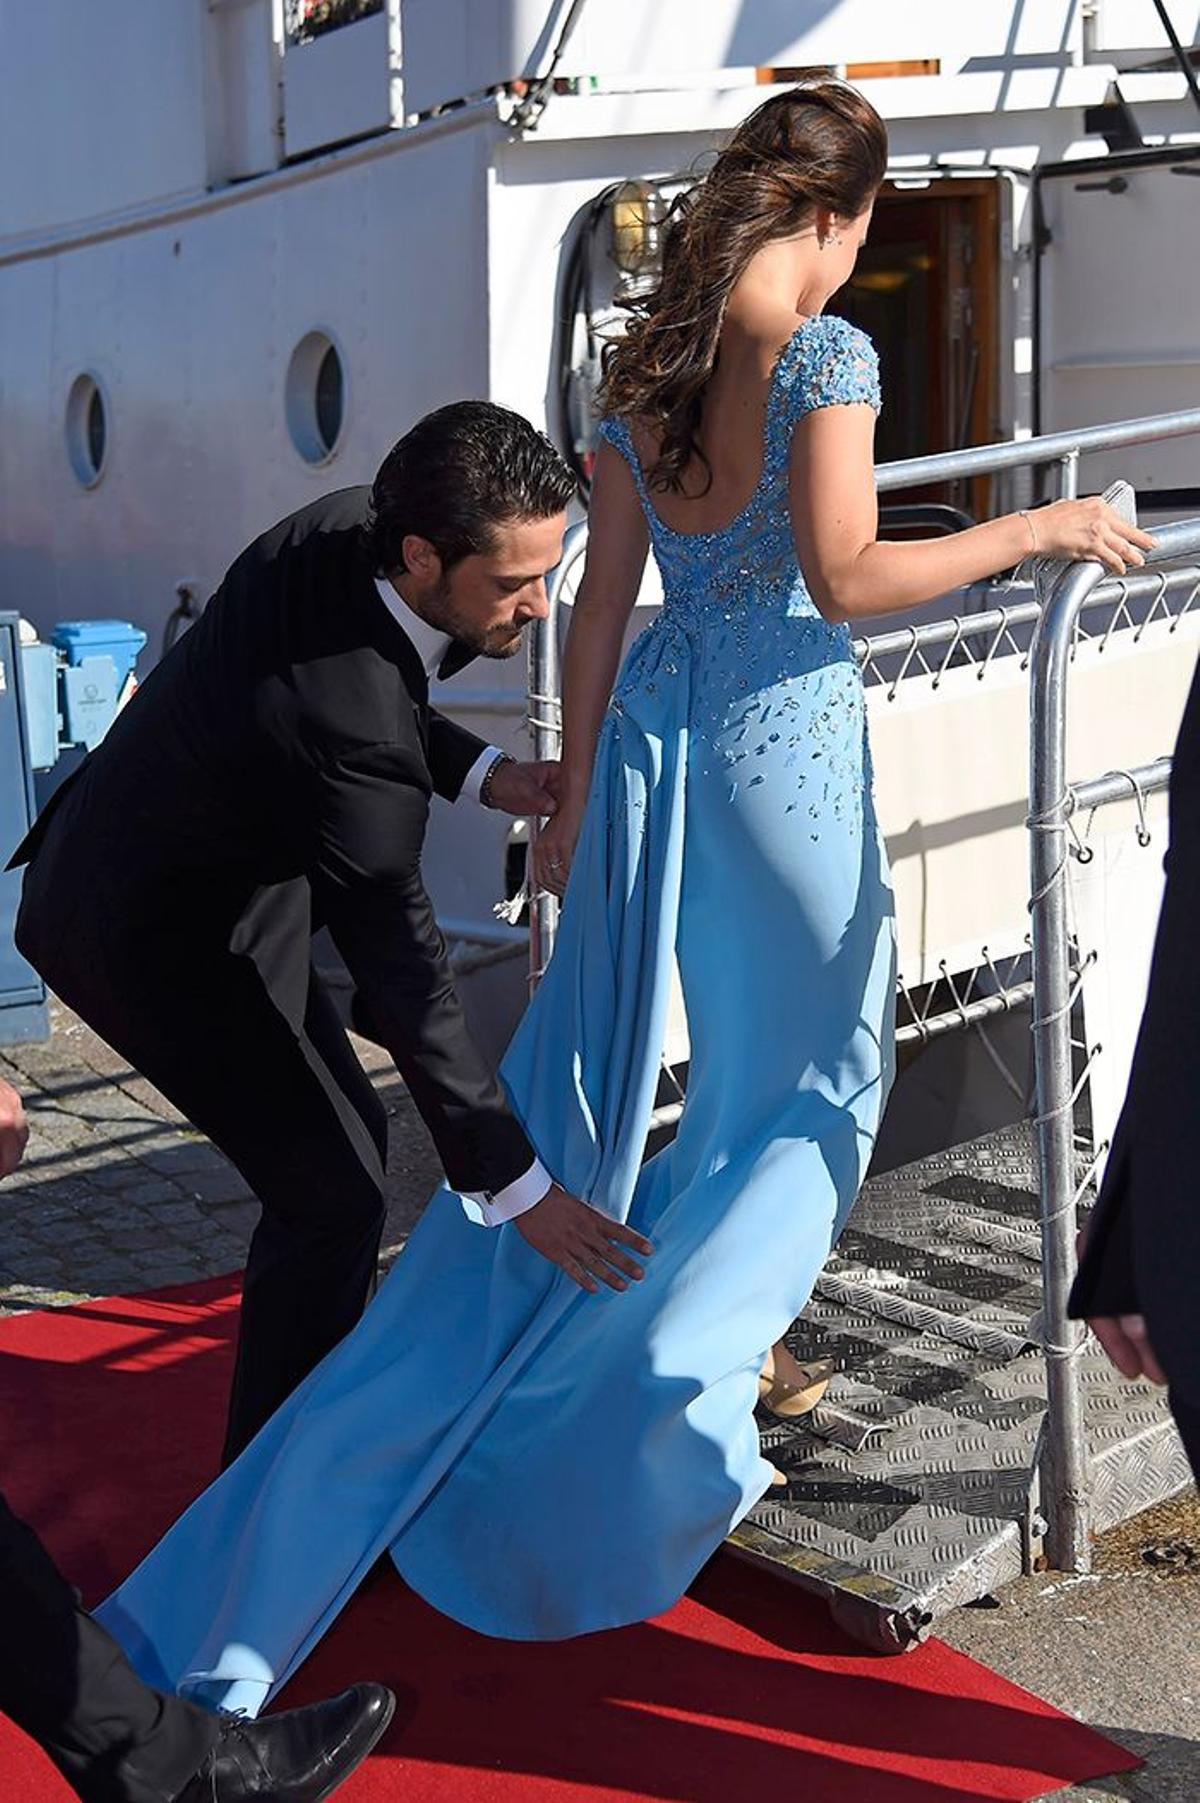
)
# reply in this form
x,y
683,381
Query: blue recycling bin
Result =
x,y
118,639
99,657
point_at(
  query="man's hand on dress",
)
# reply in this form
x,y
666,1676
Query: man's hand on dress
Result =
x,y
526,788
581,1241
14,1129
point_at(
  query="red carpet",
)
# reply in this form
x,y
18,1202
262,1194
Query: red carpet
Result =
x,y
111,1420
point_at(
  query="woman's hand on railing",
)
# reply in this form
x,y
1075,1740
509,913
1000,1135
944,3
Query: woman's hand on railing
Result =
x,y
555,848
1087,530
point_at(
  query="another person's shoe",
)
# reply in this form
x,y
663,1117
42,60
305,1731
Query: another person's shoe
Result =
x,y
301,1756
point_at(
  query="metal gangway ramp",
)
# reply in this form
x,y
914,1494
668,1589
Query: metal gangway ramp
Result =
x,y
971,1431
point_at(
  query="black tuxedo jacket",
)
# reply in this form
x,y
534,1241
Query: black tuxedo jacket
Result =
x,y
1143,1253
273,774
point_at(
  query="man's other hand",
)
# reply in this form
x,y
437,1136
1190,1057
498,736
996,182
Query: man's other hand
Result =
x,y
587,1245
14,1129
1124,1337
1127,1343
527,788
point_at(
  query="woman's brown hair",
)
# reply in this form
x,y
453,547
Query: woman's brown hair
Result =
x,y
819,145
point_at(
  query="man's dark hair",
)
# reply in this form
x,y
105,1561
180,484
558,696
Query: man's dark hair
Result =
x,y
459,474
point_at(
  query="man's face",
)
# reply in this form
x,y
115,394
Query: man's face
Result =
x,y
488,598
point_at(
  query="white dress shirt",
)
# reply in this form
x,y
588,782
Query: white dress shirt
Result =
x,y
431,647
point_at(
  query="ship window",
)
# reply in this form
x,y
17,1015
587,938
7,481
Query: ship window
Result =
x,y
315,397
87,429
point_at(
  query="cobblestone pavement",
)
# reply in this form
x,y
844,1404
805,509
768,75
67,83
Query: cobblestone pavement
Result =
x,y
118,1193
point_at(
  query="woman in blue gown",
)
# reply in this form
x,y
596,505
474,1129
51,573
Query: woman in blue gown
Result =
x,y
542,1456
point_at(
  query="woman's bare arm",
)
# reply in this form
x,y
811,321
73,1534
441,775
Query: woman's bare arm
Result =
x,y
852,576
618,540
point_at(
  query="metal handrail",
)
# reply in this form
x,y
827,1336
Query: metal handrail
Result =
x,y
1065,1475
1064,448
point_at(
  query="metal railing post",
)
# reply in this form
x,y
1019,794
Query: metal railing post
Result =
x,y
1068,476
1064,1499
545,727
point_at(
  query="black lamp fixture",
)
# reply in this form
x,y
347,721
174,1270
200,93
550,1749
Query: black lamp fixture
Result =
x,y
1113,121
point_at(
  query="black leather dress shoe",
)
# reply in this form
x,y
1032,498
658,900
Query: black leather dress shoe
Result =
x,y
300,1756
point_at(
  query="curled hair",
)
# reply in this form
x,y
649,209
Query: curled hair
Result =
x,y
819,145
461,472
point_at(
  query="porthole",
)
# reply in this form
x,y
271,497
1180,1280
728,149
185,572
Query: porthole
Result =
x,y
87,429
315,397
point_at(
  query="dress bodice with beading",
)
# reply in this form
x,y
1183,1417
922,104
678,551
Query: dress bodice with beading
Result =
x,y
749,567
766,671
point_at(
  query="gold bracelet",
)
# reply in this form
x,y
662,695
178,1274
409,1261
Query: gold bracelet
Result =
x,y
1024,513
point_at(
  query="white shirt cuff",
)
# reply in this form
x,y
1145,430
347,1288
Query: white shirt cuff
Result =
x,y
494,1207
479,769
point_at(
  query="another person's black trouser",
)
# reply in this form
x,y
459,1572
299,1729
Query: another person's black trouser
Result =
x,y
1187,1420
276,1085
69,1686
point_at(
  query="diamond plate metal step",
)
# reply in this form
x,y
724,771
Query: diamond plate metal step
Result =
x,y
914,1487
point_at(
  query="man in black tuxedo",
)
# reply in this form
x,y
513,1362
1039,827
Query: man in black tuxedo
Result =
x,y
273,775
68,1684
1137,1282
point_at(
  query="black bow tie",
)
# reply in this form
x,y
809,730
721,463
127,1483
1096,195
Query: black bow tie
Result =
x,y
457,657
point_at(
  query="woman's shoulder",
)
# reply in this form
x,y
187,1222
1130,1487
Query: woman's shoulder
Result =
x,y
829,360
824,335
617,429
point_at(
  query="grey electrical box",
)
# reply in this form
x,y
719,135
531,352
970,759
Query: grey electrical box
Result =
x,y
23,1012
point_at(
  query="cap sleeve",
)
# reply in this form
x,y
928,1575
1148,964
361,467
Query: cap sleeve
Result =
x,y
613,428
615,431
829,363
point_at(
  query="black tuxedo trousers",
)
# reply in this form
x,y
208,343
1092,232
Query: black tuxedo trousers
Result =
x,y
284,1098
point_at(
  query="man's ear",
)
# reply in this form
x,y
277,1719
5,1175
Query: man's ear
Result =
x,y
421,558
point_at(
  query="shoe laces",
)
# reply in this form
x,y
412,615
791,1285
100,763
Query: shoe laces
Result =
x,y
234,1723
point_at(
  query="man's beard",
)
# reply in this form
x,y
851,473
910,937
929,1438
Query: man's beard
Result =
x,y
498,641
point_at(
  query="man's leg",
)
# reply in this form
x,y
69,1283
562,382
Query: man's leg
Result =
x,y
1187,1420
69,1686
290,1105
316,1248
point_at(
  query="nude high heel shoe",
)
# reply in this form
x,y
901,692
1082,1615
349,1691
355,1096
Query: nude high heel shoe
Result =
x,y
793,1393
796,1391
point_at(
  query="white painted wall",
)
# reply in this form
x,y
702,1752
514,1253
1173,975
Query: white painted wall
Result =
x,y
459,49
189,327
1121,330
101,107
106,109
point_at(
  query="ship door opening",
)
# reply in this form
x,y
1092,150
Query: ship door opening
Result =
x,y
926,289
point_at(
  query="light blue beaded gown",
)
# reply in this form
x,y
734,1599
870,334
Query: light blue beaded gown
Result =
x,y
541,1462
